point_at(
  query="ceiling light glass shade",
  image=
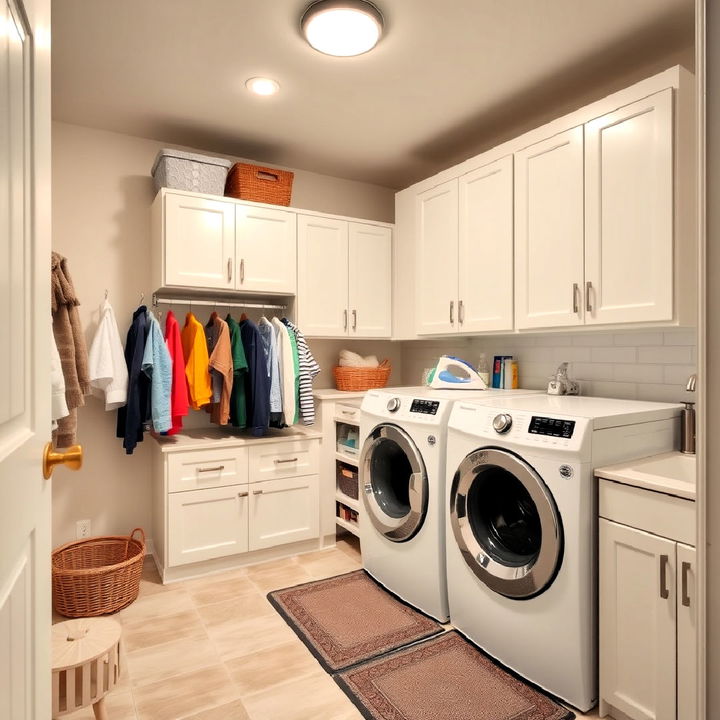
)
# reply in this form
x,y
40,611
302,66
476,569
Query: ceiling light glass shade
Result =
x,y
262,86
342,27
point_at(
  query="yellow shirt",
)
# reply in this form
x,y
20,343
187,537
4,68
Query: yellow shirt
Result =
x,y
195,353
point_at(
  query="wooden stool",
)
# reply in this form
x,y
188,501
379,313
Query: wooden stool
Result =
x,y
85,664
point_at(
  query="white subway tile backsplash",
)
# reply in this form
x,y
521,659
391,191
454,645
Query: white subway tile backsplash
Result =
x,y
573,354
626,391
677,374
640,373
680,337
614,354
593,339
592,371
665,355
638,338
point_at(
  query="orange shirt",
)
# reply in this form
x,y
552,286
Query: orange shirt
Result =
x,y
195,353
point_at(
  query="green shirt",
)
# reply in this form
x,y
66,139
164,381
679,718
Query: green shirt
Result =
x,y
296,368
238,409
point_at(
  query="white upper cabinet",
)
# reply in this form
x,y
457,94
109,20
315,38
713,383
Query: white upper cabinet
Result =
x,y
322,276
370,280
485,271
436,292
629,213
265,250
198,242
549,232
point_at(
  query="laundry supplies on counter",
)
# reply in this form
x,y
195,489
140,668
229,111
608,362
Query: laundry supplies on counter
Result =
x,y
108,371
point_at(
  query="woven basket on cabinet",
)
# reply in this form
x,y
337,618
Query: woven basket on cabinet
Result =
x,y
259,184
97,576
356,379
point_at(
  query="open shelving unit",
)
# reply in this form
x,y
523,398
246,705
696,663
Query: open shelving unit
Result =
x,y
348,507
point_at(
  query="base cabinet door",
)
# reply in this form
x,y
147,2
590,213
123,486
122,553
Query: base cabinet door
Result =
x,y
199,242
284,511
549,242
207,524
266,250
686,633
637,622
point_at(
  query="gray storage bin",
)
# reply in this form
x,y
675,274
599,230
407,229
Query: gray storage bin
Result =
x,y
189,171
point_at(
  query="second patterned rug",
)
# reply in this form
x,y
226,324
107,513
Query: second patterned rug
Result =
x,y
348,619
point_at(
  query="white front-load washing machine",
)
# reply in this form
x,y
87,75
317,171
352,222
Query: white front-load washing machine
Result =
x,y
402,483
522,526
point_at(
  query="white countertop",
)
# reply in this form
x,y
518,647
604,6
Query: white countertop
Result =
x,y
333,394
204,438
673,473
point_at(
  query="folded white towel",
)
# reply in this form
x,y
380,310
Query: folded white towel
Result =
x,y
351,359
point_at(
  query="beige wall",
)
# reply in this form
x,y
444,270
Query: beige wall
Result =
x,y
101,198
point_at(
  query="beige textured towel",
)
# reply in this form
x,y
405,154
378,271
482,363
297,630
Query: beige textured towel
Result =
x,y
70,342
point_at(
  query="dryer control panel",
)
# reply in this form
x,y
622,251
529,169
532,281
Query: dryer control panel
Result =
x,y
552,427
426,407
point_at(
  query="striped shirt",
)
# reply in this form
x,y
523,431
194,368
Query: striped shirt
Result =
x,y
308,370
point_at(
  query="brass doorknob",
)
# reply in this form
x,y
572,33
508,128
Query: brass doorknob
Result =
x,y
72,458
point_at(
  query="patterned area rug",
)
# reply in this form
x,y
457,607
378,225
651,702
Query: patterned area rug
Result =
x,y
443,678
347,619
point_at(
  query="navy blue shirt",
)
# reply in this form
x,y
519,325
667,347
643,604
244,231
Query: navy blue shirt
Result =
x,y
257,382
132,417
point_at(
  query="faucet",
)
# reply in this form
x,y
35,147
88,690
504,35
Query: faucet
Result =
x,y
692,380
687,439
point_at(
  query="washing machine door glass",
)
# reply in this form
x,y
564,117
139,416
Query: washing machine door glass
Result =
x,y
506,523
394,483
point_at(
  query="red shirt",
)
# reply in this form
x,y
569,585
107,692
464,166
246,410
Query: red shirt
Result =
x,y
178,392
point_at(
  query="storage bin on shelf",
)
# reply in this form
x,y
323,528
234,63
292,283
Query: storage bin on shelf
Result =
x,y
193,172
98,575
357,379
347,480
347,440
259,184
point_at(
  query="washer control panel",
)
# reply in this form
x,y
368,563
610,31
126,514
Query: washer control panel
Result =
x,y
552,427
425,407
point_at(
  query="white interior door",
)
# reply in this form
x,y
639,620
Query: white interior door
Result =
x,y
370,281
266,250
24,352
485,268
687,640
629,213
637,622
199,242
436,280
549,232
322,276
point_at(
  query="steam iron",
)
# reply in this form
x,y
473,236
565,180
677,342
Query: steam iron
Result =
x,y
453,373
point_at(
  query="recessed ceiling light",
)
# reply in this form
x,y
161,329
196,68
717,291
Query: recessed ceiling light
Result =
x,y
342,27
262,86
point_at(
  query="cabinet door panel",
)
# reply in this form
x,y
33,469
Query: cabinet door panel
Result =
x,y
284,511
370,280
206,524
266,250
629,212
637,625
549,232
322,276
486,248
437,260
199,242
686,633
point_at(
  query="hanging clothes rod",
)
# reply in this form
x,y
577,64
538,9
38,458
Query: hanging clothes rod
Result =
x,y
158,300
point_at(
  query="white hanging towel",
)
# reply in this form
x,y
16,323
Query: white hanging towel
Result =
x,y
57,383
106,360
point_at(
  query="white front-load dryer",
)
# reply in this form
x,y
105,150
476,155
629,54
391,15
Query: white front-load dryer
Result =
x,y
402,484
522,526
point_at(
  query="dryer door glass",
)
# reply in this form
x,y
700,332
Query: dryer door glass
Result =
x,y
394,483
506,523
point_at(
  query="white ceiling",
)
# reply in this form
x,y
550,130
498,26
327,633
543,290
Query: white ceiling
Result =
x,y
446,78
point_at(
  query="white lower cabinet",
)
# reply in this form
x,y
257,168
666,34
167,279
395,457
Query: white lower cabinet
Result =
x,y
207,524
647,609
284,511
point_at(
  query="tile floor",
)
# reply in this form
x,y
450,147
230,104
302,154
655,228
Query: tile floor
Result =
x,y
215,649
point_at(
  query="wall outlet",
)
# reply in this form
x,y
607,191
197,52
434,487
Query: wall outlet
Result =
x,y
82,529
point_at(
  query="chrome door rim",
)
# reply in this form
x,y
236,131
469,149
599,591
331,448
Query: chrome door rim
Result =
x,y
519,582
403,528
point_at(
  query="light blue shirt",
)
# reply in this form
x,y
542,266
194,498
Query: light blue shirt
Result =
x,y
157,365
270,348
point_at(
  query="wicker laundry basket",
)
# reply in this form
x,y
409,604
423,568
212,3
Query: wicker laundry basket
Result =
x,y
97,576
357,379
259,184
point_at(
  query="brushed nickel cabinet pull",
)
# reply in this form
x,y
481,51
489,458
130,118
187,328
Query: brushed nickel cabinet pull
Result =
x,y
345,319
576,292
452,312
664,590
257,492
588,290
230,264
219,468
289,460
348,412
461,312
685,596
354,314
243,494
242,270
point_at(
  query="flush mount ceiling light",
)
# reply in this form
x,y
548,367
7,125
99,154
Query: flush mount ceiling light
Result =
x,y
342,27
262,86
